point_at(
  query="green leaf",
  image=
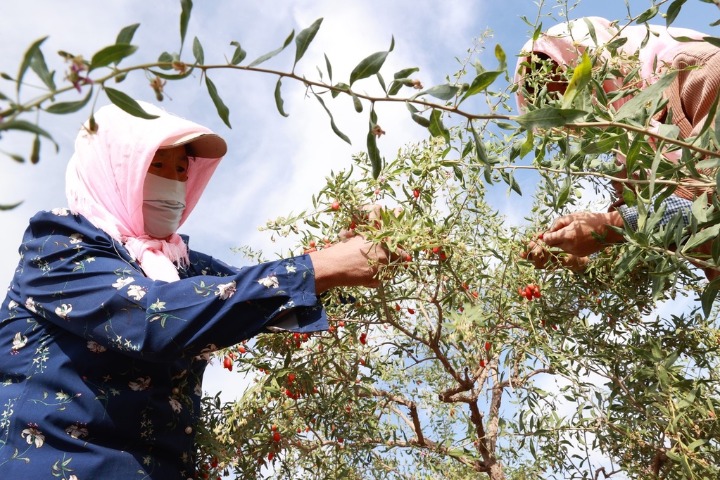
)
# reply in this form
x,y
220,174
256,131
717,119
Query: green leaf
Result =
x,y
673,10
239,54
712,40
591,30
527,145
581,77
9,207
278,98
356,102
25,126
420,120
647,14
172,76
480,83
368,66
165,57
62,108
185,13
701,237
341,87
304,38
479,147
198,52
601,144
699,208
35,152
329,68
126,34
648,95
501,57
111,54
332,121
381,81
509,178
374,154
405,73
549,117
707,298
443,92
269,55
27,59
395,87
373,151
436,127
222,109
127,103
38,65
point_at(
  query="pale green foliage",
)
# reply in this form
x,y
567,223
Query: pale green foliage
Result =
x,y
457,375
425,397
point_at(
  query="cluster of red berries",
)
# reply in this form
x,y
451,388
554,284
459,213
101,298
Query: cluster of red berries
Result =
x,y
530,291
228,361
275,434
297,339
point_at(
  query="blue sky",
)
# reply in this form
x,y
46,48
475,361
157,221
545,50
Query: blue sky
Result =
x,y
274,164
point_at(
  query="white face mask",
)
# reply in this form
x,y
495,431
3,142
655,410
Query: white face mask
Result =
x,y
163,205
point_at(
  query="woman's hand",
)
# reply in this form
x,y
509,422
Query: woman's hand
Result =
x,y
352,262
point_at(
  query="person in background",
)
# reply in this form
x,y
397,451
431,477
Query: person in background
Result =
x,y
655,50
110,319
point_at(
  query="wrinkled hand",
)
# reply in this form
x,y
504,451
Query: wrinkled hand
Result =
x,y
583,233
541,257
352,262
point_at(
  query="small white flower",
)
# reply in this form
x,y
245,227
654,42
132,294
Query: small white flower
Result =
x,y
175,405
226,290
76,238
95,347
121,282
19,341
61,212
63,310
61,396
140,384
12,305
291,268
33,436
136,292
270,281
158,305
76,431
31,305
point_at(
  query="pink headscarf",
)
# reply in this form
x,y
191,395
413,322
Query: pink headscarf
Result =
x,y
105,177
564,43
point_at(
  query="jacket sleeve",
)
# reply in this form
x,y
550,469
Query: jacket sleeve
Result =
x,y
79,279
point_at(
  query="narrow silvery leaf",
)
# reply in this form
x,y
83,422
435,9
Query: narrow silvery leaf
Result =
x,y
222,109
278,98
304,38
69,107
198,52
269,55
127,103
111,54
186,10
29,54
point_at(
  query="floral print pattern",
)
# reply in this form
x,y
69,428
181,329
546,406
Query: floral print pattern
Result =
x,y
101,367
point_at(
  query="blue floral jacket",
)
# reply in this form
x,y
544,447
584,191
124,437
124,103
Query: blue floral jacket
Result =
x,y
101,367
